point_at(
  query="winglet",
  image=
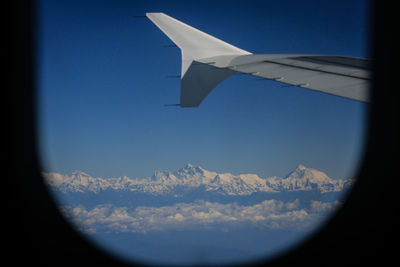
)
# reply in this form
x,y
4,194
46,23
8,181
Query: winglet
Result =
x,y
197,79
193,43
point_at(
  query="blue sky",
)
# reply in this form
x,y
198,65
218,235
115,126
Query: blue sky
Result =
x,y
102,87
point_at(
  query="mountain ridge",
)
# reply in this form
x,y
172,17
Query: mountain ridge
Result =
x,y
191,177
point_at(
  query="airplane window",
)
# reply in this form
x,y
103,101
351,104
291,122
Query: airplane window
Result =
x,y
165,149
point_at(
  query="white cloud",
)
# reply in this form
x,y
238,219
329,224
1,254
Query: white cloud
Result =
x,y
319,206
272,214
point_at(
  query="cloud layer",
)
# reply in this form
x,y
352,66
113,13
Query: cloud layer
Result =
x,y
272,214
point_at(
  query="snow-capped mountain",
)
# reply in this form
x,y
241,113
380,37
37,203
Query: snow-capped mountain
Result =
x,y
305,179
195,177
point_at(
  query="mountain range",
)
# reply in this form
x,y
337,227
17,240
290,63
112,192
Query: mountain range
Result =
x,y
193,208
192,177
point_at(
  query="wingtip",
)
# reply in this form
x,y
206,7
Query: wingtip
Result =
x,y
150,14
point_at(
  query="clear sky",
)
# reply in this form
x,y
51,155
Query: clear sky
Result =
x,y
102,87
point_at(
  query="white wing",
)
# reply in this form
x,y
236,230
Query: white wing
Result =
x,y
207,61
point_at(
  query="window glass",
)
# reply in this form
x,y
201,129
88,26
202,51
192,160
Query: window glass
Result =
x,y
252,172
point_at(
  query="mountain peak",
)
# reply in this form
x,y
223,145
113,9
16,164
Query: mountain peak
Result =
x,y
80,173
191,168
313,175
301,167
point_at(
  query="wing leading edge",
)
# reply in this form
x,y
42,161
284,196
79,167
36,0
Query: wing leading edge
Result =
x,y
207,61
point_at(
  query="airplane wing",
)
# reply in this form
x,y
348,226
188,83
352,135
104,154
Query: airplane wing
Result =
x,y
207,61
